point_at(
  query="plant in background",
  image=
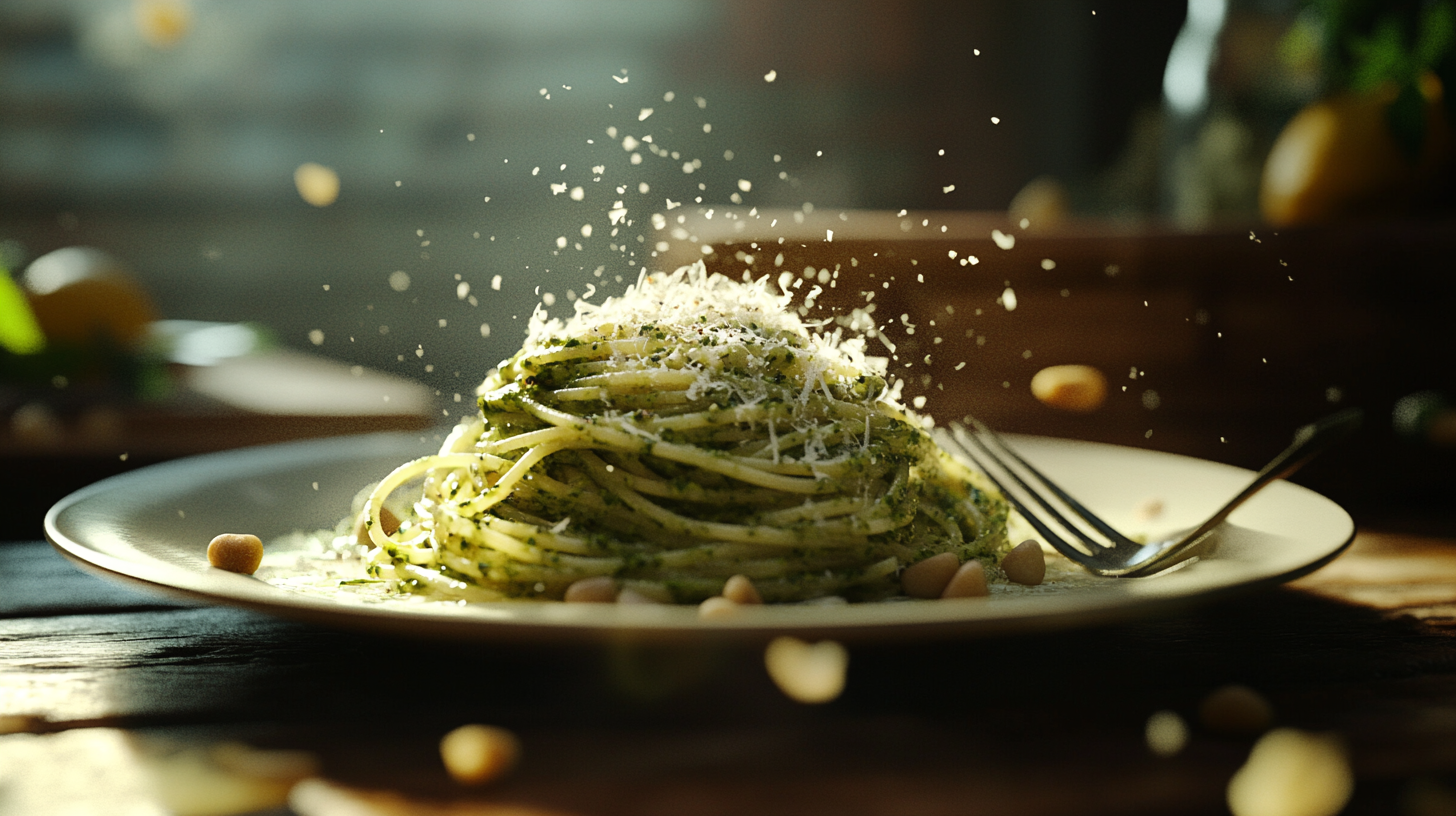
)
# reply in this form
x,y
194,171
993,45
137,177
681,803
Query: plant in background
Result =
x,y
1379,140
20,334
1399,45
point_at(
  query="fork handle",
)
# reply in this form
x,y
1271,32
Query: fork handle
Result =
x,y
1309,441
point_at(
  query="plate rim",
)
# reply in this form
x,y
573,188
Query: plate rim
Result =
x,y
640,624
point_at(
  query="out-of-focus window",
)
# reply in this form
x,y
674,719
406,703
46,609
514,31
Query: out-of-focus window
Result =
x,y
170,133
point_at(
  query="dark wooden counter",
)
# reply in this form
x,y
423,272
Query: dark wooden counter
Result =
x,y
1043,724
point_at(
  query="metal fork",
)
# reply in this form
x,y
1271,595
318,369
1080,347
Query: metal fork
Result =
x,y
1109,552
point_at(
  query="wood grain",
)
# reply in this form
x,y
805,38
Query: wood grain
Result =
x,y
1035,724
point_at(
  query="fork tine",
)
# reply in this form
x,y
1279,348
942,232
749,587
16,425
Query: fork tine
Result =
x,y
1047,507
965,441
1032,518
1076,507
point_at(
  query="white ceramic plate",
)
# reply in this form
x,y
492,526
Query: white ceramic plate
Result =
x,y
153,525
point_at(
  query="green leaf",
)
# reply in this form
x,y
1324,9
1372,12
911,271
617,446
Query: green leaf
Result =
x,y
19,331
1446,71
1379,58
1438,32
1368,43
1407,119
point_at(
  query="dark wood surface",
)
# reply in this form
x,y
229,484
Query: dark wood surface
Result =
x,y
1051,723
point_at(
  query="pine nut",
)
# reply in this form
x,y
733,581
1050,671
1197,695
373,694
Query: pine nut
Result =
x,y
637,596
236,552
1025,564
717,608
807,673
476,754
928,578
1236,711
1166,734
1070,387
968,582
741,590
597,589
1291,771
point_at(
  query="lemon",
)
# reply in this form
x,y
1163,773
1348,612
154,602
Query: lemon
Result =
x,y
1338,156
19,331
83,297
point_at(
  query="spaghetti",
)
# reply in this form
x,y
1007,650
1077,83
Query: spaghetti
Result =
x,y
693,429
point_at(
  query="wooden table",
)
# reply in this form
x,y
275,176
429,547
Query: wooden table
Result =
x,y
101,685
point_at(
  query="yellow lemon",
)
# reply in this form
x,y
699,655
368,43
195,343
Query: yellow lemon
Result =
x,y
1338,156
81,296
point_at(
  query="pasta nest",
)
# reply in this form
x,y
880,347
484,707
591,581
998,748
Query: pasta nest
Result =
x,y
693,429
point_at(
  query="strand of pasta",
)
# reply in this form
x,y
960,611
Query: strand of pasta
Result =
x,y
826,535
410,470
801,468
733,467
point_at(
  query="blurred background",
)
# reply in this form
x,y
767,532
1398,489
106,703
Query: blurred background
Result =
x,y
393,187
168,134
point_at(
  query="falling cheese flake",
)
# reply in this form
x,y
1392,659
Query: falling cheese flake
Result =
x,y
316,337
829,235
577,193
745,185
399,280
462,290
1008,299
995,120
770,76
558,189
495,283
561,242
1002,239
1048,264
646,112
949,188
